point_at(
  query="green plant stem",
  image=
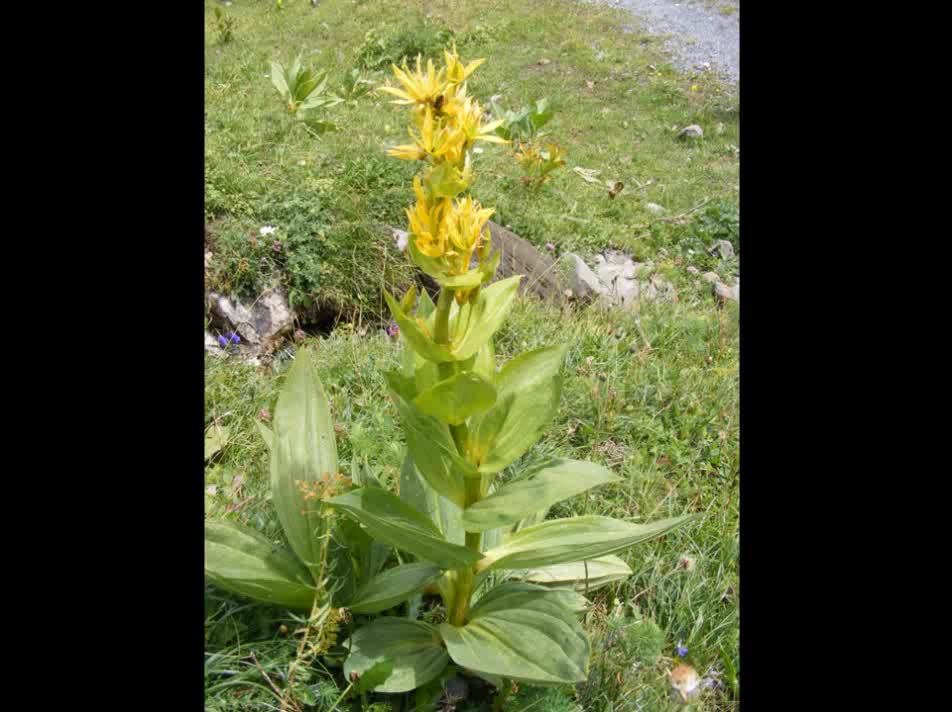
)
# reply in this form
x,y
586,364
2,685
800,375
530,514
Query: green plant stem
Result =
x,y
342,696
502,696
465,578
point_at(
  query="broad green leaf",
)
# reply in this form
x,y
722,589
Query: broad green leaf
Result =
x,y
528,390
340,572
425,305
294,73
317,102
468,279
243,561
266,434
431,444
446,181
442,512
277,78
393,586
575,539
363,475
303,450
398,524
542,488
414,648
485,364
488,268
456,398
542,114
425,373
311,85
583,576
522,632
531,520
421,341
369,555
216,437
319,127
374,676
476,323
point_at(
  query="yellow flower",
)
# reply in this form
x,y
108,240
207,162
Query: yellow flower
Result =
x,y
456,73
418,88
434,140
408,152
426,222
470,118
464,228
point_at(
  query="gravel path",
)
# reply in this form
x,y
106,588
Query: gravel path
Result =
x,y
701,35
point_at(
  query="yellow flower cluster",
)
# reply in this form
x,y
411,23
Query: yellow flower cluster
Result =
x,y
446,125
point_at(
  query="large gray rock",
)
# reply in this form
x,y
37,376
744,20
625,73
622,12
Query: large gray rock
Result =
x,y
723,293
630,282
692,131
723,249
211,344
260,327
583,282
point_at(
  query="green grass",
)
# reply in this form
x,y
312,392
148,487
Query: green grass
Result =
x,y
665,418
328,211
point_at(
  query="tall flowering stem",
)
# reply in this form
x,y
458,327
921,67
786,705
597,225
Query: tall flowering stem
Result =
x,y
449,239
448,235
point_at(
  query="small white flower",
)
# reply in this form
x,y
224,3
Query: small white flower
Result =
x,y
402,239
302,162
267,230
477,150
211,490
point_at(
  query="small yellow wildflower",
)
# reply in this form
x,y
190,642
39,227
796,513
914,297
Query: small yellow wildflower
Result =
x,y
456,73
418,88
426,221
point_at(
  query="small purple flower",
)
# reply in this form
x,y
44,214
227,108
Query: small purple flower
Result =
x,y
681,650
550,247
234,338
222,341
393,330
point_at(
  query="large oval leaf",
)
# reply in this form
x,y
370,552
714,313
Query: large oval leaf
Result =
x,y
528,390
447,517
419,339
398,524
414,648
430,443
582,576
243,561
540,489
303,449
522,632
574,539
277,78
476,323
456,398
393,586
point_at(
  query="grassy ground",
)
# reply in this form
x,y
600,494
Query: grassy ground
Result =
x,y
617,105
665,418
